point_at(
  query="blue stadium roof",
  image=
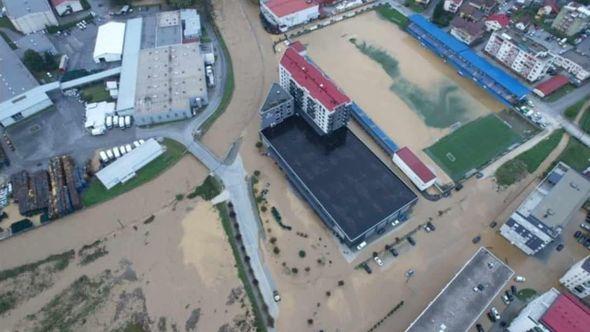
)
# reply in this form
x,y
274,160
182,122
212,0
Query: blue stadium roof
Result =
x,y
450,41
501,77
385,141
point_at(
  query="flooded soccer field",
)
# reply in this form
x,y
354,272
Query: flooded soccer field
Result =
x,y
410,93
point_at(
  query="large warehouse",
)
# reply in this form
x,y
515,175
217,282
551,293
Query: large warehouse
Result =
x,y
109,42
162,73
350,188
20,94
170,83
542,216
457,306
29,16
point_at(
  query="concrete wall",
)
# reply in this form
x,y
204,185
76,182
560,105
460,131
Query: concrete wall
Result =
x,y
153,118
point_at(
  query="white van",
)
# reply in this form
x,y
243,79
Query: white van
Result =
x,y
128,148
109,121
128,121
109,153
116,152
122,149
103,156
121,122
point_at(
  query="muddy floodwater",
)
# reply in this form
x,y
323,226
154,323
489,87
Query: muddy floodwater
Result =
x,y
413,95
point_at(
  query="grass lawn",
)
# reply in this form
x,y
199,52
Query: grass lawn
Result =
x,y
472,146
572,111
528,161
228,89
576,155
585,121
5,23
95,93
392,15
564,90
526,294
97,193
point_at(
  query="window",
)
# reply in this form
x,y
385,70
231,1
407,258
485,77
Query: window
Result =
x,y
18,117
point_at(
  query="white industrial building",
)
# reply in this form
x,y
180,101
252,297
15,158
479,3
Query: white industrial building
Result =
x,y
29,16
191,23
109,42
577,278
63,7
285,14
20,94
96,114
414,168
126,167
542,216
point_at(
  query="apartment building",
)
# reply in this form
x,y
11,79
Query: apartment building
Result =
x,y
577,278
316,97
522,55
572,18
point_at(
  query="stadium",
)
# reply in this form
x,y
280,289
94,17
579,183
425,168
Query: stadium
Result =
x,y
501,85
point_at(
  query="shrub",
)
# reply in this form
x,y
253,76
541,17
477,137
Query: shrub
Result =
x,y
259,144
294,270
276,250
341,283
256,173
263,208
301,253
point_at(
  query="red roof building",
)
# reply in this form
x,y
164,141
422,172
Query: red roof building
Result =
x,y
283,8
551,85
315,95
306,74
497,21
567,314
414,168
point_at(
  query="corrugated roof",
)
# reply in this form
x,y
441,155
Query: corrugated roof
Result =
x,y
567,314
313,79
499,76
126,98
19,8
109,39
551,85
286,7
124,168
415,164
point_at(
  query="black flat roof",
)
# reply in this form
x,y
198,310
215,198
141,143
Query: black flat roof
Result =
x,y
346,178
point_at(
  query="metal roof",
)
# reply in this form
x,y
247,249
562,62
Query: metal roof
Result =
x,y
373,129
126,99
19,8
15,78
109,39
125,168
499,76
567,314
415,164
276,95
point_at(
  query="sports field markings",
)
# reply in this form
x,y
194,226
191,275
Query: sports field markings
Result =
x,y
451,157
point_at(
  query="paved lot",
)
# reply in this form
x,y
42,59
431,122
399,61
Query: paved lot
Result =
x,y
457,306
58,130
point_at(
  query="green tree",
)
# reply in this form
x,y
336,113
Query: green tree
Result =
x,y
34,61
50,63
181,3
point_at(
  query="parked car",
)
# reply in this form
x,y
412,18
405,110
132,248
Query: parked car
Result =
x,y
411,240
513,290
361,245
378,260
476,239
519,279
479,327
128,148
577,234
276,296
585,226
496,314
493,224
393,252
559,247
431,226
367,268
505,299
